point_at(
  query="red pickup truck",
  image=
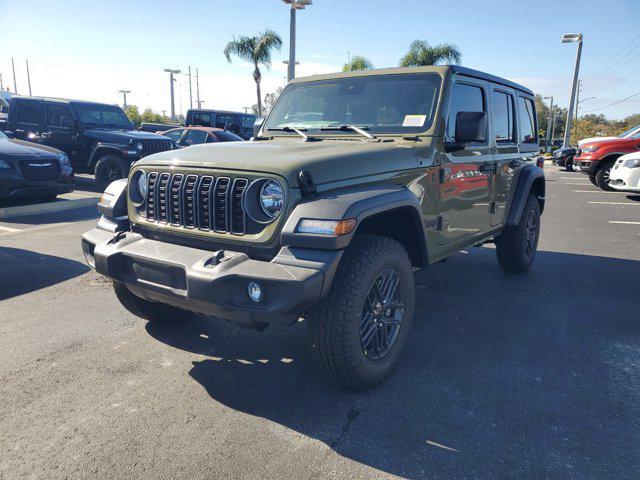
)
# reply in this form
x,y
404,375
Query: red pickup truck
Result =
x,y
596,158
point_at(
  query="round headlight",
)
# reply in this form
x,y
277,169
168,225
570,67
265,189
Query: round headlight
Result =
x,y
271,198
139,147
143,184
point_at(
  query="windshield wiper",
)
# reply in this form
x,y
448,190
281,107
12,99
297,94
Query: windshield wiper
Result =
x,y
299,131
352,128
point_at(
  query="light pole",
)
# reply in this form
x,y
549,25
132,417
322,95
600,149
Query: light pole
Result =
x,y
295,5
572,38
549,138
124,93
171,73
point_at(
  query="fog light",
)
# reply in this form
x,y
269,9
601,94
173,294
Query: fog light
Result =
x,y
255,292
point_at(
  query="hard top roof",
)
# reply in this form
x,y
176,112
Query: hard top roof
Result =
x,y
67,101
439,69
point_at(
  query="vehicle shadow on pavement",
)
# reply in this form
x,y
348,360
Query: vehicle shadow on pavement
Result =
x,y
24,271
75,215
504,376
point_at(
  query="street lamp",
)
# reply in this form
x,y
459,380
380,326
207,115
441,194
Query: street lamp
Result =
x,y
295,5
572,38
171,73
549,138
124,92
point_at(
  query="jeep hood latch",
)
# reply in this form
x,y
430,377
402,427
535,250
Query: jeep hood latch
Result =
x,y
306,183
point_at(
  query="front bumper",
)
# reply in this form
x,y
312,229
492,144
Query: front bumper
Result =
x,y
627,179
213,283
586,166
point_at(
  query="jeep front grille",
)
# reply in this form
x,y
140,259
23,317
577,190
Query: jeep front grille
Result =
x,y
155,146
200,202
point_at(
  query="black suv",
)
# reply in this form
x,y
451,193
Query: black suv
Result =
x,y
239,123
97,137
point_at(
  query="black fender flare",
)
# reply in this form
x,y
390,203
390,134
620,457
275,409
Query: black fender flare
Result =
x,y
528,176
103,148
353,202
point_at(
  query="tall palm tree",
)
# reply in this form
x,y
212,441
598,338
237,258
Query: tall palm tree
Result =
x,y
357,63
256,50
421,53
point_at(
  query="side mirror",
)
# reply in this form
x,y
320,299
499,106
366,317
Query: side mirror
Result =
x,y
4,109
257,126
471,127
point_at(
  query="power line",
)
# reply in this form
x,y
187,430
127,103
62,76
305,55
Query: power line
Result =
x,y
619,52
614,67
614,103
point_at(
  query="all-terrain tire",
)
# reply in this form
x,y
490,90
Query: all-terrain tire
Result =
x,y
109,169
602,176
516,246
335,323
152,311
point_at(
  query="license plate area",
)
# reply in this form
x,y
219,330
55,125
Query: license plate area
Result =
x,y
152,274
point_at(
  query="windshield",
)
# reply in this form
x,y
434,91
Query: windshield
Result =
x,y
628,133
380,104
102,116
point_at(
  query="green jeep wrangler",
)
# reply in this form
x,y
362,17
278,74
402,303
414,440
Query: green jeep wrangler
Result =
x,y
353,182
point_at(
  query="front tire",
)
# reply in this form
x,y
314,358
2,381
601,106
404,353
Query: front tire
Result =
x,y
592,179
516,246
602,176
109,169
568,165
357,333
152,311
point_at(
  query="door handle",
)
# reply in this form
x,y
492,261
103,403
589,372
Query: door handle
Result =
x,y
488,167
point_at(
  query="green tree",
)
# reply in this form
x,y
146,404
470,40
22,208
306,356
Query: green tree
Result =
x,y
421,53
357,63
256,50
559,115
133,114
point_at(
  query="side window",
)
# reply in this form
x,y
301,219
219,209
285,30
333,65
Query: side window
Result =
x,y
55,114
526,120
196,137
223,119
465,98
503,126
202,119
30,112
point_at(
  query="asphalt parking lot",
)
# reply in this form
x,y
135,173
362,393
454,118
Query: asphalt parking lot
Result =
x,y
506,376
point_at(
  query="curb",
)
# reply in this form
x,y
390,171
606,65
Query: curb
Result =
x,y
39,208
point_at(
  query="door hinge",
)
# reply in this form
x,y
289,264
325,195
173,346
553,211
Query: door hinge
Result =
x,y
445,174
493,206
443,222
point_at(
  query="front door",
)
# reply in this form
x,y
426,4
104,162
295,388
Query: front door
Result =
x,y
465,193
61,130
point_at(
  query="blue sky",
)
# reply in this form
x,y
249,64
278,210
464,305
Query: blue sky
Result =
x,y
89,50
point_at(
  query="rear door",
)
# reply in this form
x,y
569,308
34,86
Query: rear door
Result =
x,y
505,150
28,121
464,187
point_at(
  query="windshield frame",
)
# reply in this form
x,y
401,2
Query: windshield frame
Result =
x,y
407,131
78,107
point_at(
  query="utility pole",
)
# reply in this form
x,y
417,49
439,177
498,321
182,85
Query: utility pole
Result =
x,y
549,137
198,89
295,5
124,93
190,96
572,38
15,84
172,72
1,84
28,76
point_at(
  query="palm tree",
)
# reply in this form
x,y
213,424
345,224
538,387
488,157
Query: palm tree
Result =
x,y
421,53
256,50
357,63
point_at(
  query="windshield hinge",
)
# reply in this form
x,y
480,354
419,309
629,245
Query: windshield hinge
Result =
x,y
306,183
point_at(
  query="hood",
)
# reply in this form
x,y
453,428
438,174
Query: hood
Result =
x,y
594,139
122,136
327,161
15,149
615,141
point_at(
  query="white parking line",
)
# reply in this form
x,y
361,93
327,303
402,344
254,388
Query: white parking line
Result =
x,y
591,191
616,203
573,178
581,184
7,229
624,223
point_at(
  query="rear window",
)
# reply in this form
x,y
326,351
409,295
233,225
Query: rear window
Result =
x,y
526,118
202,119
503,125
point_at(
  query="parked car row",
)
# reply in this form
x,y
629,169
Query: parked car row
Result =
x,y
612,163
99,138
